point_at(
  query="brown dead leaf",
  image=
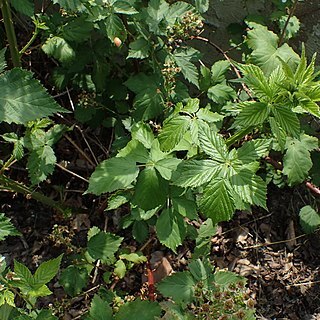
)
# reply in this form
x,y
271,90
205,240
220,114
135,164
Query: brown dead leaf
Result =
x,y
291,236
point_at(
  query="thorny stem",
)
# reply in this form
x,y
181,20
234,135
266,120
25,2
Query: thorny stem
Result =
x,y
291,12
14,186
11,35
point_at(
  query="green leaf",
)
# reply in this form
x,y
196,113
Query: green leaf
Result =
x,y
139,49
287,120
41,163
194,173
201,271
157,11
25,7
124,7
134,151
133,257
46,271
253,150
100,309
46,315
7,228
72,5
77,30
140,231
151,189
112,174
25,276
74,279
103,246
143,133
185,207
120,269
167,166
142,310
59,48
117,200
220,93
3,63
252,113
6,296
23,98
115,27
218,71
212,144
291,28
297,161
225,278
188,69
173,131
217,201
309,219
170,229
180,287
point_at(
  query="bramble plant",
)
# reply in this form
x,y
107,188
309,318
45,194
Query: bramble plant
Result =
x,y
192,143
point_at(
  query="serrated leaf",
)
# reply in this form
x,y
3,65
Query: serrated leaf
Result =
x,y
40,164
77,30
140,231
120,269
252,113
139,49
115,27
6,296
253,150
287,120
143,133
208,116
59,48
180,287
218,71
103,246
207,229
173,131
309,219
3,62
194,173
167,166
138,309
201,271
133,257
24,275
100,309
217,201
112,174
188,69
134,151
23,99
170,229
7,228
185,207
124,7
73,5
46,314
212,144
117,200
225,278
220,93
291,28
157,11
151,189
46,271
74,279
25,7
297,161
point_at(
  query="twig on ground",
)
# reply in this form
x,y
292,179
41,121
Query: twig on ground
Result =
x,y
71,172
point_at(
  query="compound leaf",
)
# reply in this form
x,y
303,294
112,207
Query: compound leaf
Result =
x,y
7,228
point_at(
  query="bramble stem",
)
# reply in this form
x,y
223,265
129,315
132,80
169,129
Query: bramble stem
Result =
x,y
11,35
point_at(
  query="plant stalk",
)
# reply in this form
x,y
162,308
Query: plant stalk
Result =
x,y
11,35
14,186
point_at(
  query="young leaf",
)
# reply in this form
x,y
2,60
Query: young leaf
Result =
x,y
100,309
24,99
217,201
112,174
287,120
103,246
47,271
170,229
179,286
309,219
7,228
138,309
74,279
120,269
6,296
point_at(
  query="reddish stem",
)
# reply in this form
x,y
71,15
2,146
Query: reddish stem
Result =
x,y
151,288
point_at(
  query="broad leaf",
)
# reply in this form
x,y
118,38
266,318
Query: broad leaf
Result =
x,y
151,189
139,49
103,246
134,151
138,309
287,120
124,7
194,173
25,7
120,269
23,99
26,281
74,279
167,166
47,271
188,69
309,219
218,71
59,48
157,11
77,30
173,131
112,174
143,133
100,309
180,287
253,150
220,93
7,228
217,201
115,28
170,229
